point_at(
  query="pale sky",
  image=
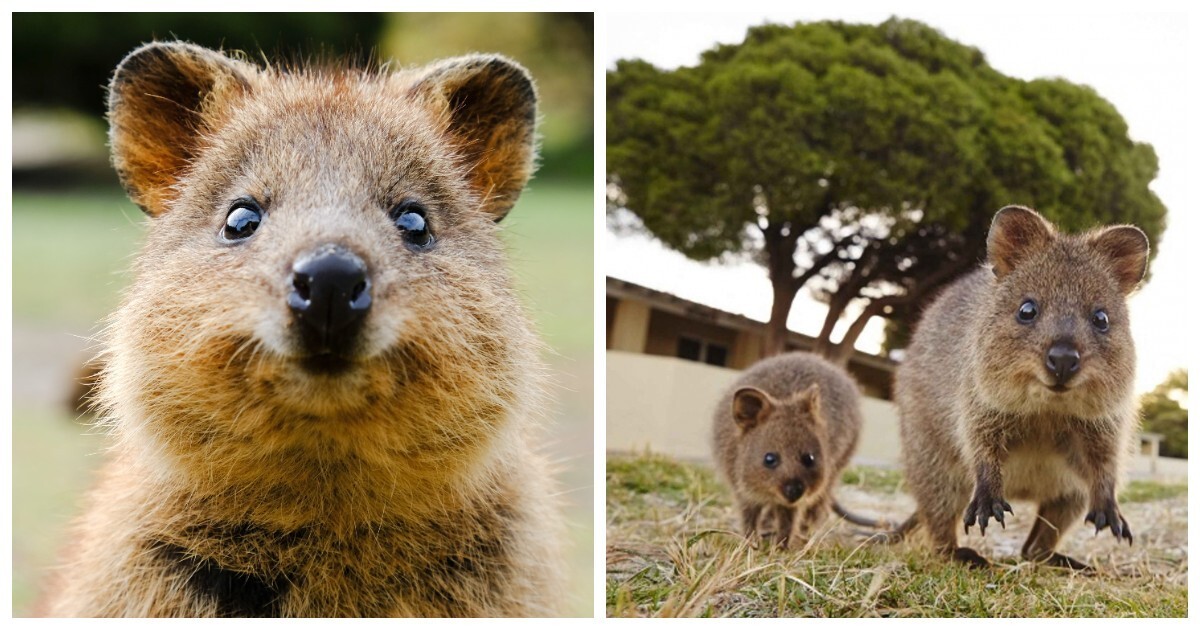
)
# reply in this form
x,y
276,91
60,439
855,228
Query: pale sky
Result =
x,y
1140,62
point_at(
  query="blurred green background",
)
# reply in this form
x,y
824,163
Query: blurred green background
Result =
x,y
74,232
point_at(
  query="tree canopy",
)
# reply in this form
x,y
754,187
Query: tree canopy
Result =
x,y
863,162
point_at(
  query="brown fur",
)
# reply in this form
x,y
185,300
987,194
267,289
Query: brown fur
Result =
x,y
789,405
979,420
408,485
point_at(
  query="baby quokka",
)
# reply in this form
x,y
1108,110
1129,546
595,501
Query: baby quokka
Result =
x,y
1018,384
321,385
781,436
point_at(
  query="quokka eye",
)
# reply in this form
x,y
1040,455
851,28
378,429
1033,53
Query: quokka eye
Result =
x,y
1027,312
409,216
771,460
809,460
243,219
1100,320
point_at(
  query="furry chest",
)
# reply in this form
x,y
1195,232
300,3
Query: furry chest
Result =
x,y
1036,473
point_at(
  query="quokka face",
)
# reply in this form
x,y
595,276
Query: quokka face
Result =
x,y
323,264
781,446
1054,345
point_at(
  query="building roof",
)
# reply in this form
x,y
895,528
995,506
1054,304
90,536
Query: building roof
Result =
x,y
674,304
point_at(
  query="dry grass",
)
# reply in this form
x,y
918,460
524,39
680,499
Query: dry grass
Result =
x,y
673,551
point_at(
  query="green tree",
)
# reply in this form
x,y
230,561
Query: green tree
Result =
x,y
863,162
1162,412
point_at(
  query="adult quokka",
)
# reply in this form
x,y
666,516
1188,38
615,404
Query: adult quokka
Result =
x,y
320,386
1018,384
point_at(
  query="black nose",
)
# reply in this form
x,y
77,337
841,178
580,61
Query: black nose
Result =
x,y
330,297
793,490
1062,360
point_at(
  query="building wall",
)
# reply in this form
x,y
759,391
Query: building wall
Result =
x,y
747,349
610,313
874,382
629,326
661,403
667,404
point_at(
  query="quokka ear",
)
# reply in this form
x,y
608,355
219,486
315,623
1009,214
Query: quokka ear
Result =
x,y
491,109
1016,233
162,97
810,401
751,407
1127,250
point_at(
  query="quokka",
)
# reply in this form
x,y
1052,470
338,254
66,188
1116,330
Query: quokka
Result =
x,y
321,387
1018,384
782,434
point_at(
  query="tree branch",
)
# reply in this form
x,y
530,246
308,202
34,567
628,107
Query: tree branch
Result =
x,y
845,347
821,262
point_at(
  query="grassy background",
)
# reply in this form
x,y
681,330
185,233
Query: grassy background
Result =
x,y
69,256
672,550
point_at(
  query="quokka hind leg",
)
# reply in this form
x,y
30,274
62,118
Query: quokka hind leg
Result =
x,y
1053,519
943,531
942,518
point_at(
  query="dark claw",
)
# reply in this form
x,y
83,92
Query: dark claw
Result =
x,y
970,521
1110,518
983,508
998,509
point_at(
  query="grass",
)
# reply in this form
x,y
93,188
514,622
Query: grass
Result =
x,y
549,233
1143,491
70,253
872,479
658,476
672,551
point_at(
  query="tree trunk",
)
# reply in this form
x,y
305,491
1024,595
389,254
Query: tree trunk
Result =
x,y
847,290
837,305
781,306
841,353
823,346
781,265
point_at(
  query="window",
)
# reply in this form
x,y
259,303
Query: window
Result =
x,y
694,349
689,349
716,355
